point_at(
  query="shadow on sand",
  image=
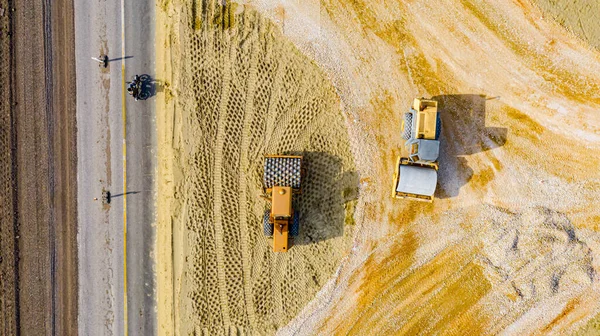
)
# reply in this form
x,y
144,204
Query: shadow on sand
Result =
x,y
463,133
326,202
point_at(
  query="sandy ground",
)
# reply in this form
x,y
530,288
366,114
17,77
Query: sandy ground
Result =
x,y
581,17
510,245
245,92
37,204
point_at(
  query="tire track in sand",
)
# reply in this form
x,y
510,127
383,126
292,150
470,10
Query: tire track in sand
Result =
x,y
218,188
243,186
247,92
275,96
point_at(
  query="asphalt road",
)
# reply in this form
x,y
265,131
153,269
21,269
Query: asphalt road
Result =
x,y
116,294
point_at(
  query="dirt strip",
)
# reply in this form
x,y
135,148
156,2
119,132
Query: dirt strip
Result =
x,y
40,295
8,255
65,167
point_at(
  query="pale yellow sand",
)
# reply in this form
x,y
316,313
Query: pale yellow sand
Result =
x,y
243,91
581,17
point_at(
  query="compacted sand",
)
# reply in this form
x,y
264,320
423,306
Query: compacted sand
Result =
x,y
243,91
581,17
512,242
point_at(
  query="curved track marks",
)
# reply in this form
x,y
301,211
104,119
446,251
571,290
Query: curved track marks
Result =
x,y
218,191
246,92
249,114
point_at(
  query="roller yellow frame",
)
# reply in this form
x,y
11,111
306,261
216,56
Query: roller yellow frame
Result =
x,y
415,175
281,213
282,179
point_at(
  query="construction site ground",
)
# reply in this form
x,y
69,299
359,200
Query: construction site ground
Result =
x,y
511,243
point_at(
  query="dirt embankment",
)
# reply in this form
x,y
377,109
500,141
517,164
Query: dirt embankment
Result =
x,y
242,91
37,133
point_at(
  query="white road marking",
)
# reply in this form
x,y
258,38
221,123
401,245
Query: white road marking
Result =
x,y
124,120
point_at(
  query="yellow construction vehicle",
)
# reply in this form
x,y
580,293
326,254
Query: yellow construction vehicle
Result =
x,y
415,176
282,179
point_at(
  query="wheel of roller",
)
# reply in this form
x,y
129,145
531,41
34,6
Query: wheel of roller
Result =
x,y
295,228
407,126
438,127
268,178
284,172
267,226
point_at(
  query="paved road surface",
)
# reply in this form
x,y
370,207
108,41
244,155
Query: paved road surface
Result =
x,y
100,120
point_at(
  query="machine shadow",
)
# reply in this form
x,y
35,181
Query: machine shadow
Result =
x,y
325,202
463,133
